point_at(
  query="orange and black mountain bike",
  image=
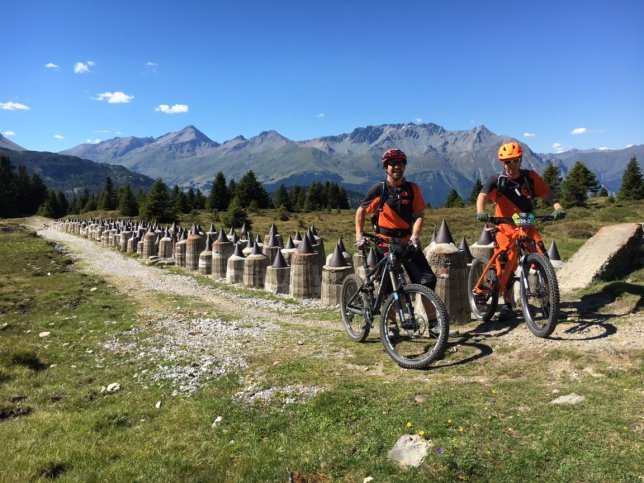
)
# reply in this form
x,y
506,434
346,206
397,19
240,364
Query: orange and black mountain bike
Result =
x,y
539,288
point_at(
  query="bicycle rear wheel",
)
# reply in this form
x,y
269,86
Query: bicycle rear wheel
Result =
x,y
414,328
355,316
484,304
539,295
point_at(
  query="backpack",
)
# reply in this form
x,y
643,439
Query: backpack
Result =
x,y
384,195
502,188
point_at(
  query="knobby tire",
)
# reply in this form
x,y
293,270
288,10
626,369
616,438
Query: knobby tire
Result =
x,y
483,309
540,299
354,313
414,342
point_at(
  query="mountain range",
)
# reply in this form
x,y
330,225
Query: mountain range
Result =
x,y
439,160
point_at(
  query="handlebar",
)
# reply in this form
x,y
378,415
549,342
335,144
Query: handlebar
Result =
x,y
498,220
394,244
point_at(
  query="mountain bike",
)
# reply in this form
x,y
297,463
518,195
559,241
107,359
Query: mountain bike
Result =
x,y
414,324
539,288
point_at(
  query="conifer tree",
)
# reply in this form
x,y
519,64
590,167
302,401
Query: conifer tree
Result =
x,y
7,188
454,200
474,194
236,215
128,206
158,205
552,177
281,198
107,199
219,196
50,208
38,193
632,187
577,185
249,189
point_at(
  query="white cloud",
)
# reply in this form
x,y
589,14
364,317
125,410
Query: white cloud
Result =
x,y
166,109
529,135
58,136
320,115
418,120
558,148
629,145
603,148
117,97
92,141
579,130
51,65
8,134
83,67
13,106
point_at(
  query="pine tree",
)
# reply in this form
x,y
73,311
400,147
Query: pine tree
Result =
x,y
200,200
107,199
577,185
281,198
249,189
7,188
128,206
38,193
474,194
50,208
158,205
454,200
236,215
219,196
179,200
632,187
552,177
23,192
63,204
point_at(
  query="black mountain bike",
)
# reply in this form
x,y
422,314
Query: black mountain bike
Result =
x,y
414,324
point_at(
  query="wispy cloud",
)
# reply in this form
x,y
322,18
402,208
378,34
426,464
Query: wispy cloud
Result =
x,y
59,137
579,130
529,135
51,65
176,109
93,141
603,148
320,115
152,66
418,120
13,106
117,97
559,148
83,67
8,134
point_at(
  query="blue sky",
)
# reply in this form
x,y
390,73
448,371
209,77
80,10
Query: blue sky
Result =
x,y
553,74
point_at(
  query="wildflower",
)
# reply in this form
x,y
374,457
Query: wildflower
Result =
x,y
494,391
439,450
488,453
486,408
460,429
421,434
409,425
449,422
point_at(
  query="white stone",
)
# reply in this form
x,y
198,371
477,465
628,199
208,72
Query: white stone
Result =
x,y
217,421
44,334
569,399
409,450
115,386
158,404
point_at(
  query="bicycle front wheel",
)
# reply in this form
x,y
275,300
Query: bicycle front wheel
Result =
x,y
414,326
539,295
483,302
354,311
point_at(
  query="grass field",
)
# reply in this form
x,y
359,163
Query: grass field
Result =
x,y
485,407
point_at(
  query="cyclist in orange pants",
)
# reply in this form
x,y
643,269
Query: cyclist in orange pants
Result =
x,y
513,191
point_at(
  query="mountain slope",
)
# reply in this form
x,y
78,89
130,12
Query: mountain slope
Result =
x,y
72,174
439,160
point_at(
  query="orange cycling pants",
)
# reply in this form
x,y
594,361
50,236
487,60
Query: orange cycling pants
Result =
x,y
505,242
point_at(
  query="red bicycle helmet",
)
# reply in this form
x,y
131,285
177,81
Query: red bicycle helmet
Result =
x,y
393,154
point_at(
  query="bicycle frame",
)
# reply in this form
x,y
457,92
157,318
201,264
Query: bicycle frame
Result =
x,y
388,265
522,243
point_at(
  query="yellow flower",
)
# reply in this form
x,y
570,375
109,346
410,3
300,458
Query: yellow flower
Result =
x,y
460,429
409,425
449,421
421,434
486,408
494,391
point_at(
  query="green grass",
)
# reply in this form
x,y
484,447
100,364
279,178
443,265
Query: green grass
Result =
x,y
485,407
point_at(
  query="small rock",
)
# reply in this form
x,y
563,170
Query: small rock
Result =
x,y
368,479
569,399
4,326
217,421
409,450
44,334
158,404
419,399
93,289
114,387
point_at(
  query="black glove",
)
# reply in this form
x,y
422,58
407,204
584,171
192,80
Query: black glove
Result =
x,y
559,214
482,216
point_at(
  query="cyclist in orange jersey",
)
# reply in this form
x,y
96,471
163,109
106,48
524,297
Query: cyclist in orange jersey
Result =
x,y
397,206
513,191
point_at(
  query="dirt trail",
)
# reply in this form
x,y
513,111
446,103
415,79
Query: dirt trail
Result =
x,y
614,330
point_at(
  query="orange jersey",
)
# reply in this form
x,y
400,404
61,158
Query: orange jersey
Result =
x,y
398,209
515,196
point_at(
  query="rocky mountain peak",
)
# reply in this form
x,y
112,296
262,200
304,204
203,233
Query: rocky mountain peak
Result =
x,y
6,144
